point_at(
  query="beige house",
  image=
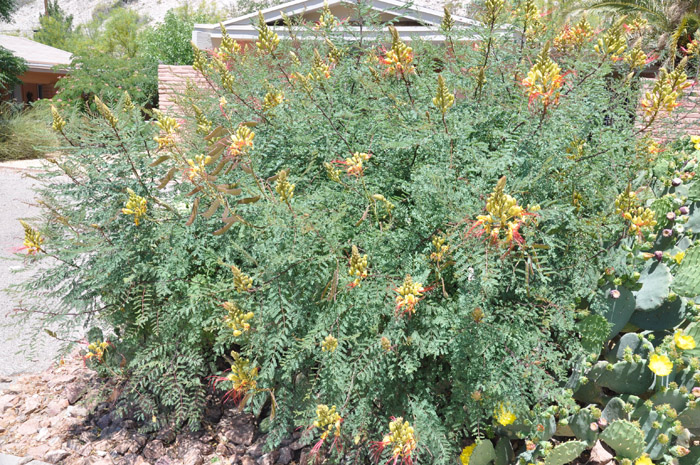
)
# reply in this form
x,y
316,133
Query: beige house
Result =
x,y
46,65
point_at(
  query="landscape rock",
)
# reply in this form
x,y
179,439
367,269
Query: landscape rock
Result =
x,y
193,457
285,456
74,392
600,455
268,459
256,450
154,450
29,427
248,460
238,428
31,404
56,456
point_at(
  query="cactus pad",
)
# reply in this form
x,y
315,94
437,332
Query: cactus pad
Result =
x,y
656,284
483,453
667,316
626,377
625,438
594,331
616,311
687,280
565,453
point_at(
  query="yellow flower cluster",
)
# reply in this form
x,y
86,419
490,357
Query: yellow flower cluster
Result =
x,y
531,14
493,8
203,124
329,344
636,26
409,294
640,218
272,99
355,164
241,281
168,127
327,420
136,205
197,166
241,141
237,319
504,415
441,250
283,187
636,58
613,43
242,374
385,343
320,70
32,239
544,80
695,141
443,99
105,112
97,350
661,365
667,90
358,266
573,37
58,122
228,47
643,460
504,215
268,40
401,438
399,59
127,103
332,172
327,19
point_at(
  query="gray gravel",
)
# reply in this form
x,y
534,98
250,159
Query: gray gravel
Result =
x,y
15,194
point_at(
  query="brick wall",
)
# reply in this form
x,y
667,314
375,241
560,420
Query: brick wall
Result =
x,y
172,84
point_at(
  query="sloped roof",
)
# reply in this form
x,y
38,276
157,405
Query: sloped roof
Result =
x,y
415,20
39,57
422,14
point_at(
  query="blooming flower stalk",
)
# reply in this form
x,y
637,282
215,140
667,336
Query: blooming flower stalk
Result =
x,y
328,420
544,80
401,440
358,266
237,320
409,295
32,239
136,205
399,59
329,344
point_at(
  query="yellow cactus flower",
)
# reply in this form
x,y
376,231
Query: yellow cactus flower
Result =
x,y
661,365
643,460
683,341
136,205
696,142
466,454
504,415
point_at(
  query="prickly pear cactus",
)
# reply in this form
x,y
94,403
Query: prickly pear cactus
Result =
x,y
565,453
625,438
616,310
687,279
504,452
626,377
667,316
656,284
483,453
594,331
581,422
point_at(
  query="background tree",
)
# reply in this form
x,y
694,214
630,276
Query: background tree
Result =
x,y
55,28
6,9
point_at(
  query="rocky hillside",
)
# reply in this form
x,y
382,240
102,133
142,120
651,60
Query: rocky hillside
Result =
x,y
26,18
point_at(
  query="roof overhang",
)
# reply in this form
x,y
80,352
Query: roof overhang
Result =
x,y
243,28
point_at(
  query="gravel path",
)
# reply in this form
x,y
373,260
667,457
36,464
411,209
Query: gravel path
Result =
x,y
15,194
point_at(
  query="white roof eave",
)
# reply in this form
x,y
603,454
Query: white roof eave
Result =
x,y
296,7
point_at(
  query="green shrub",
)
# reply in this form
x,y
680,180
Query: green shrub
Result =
x,y
324,219
11,67
25,133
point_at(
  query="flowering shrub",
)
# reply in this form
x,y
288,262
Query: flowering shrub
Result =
x,y
413,236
